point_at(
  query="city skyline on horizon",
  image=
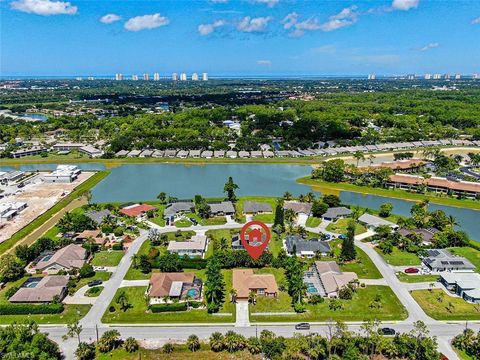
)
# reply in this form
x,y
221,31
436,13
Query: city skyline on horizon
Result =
x,y
239,38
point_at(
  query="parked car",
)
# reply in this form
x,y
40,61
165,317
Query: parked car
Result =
x,y
342,236
95,283
411,270
386,331
302,326
100,268
325,236
194,221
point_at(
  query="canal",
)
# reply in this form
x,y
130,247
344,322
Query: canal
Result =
x,y
141,182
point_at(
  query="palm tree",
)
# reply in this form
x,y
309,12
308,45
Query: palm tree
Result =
x,y
73,329
193,343
216,341
252,297
371,157
287,196
310,197
233,295
289,216
452,221
359,156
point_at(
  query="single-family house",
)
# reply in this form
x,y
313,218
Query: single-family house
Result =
x,y
253,207
181,207
174,286
335,213
207,154
41,290
246,281
298,207
296,245
439,260
67,258
372,222
91,151
219,154
136,210
99,216
326,279
95,235
195,246
426,234
465,285
222,208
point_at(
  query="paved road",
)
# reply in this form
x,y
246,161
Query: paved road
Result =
x,y
159,334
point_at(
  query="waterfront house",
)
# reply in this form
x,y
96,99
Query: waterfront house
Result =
x,y
194,153
134,153
439,260
182,154
146,153
62,174
207,154
465,285
253,207
335,213
35,150
426,234
298,207
219,154
136,210
243,154
170,153
372,222
222,208
91,151
122,153
99,216
181,207
231,154
245,282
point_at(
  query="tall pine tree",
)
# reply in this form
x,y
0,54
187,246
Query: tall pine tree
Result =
x,y
348,245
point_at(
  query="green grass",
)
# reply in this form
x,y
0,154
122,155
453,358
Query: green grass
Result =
x,y
461,310
363,266
340,227
16,283
326,187
107,258
265,218
88,184
462,354
138,313
471,254
183,223
313,221
94,291
356,309
268,218
99,275
400,258
282,303
71,314
417,278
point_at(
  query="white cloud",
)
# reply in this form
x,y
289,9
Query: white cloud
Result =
x,y
326,49
264,62
429,46
44,7
219,1
153,21
248,24
269,3
109,18
405,4
476,21
290,20
206,29
346,17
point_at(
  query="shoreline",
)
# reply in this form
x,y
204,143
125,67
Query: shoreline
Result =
x,y
387,193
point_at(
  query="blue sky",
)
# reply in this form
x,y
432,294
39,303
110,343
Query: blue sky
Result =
x,y
239,37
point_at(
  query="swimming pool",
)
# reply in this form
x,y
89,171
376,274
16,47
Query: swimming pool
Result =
x,y
311,289
31,282
193,293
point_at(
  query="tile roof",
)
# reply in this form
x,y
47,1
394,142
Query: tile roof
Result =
x,y
161,283
45,291
136,209
244,280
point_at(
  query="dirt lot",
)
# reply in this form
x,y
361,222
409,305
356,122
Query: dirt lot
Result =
x,y
40,197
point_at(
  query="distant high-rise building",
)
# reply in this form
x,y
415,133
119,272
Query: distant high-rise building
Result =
x,y
79,78
118,76
156,76
476,76
437,76
446,76
458,76
91,78
205,76
134,77
411,76
428,76
174,76
145,77
371,77
183,77
194,77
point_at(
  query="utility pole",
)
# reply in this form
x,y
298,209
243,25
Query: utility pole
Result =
x,y
96,331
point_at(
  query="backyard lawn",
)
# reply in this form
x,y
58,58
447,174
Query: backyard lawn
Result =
x,y
340,227
417,278
107,258
357,309
313,221
266,218
449,308
400,258
363,265
71,314
471,254
137,314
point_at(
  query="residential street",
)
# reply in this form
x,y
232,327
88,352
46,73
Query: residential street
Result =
x,y
178,332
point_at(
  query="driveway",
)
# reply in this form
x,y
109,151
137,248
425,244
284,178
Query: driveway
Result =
x,y
79,297
302,219
243,318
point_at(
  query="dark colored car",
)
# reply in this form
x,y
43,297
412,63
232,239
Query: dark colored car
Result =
x,y
302,326
411,270
342,236
95,283
387,331
194,221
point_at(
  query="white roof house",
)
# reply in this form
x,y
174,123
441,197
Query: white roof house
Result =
x,y
195,246
372,221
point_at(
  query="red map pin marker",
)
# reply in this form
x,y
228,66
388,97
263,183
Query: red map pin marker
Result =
x,y
255,237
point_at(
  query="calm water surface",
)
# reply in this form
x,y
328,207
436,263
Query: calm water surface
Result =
x,y
140,182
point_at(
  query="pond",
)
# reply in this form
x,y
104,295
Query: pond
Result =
x,y
141,182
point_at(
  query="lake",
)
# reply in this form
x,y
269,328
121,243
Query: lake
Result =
x,y
141,182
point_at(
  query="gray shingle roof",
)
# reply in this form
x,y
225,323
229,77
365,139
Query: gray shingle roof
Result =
x,y
303,245
256,207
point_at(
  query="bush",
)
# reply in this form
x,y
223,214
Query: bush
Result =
x,y
158,308
86,271
299,307
168,348
315,299
85,351
10,292
193,343
130,345
195,304
111,309
27,309
193,263
117,246
345,293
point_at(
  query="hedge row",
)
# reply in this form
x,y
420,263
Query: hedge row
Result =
x,y
27,309
194,263
158,308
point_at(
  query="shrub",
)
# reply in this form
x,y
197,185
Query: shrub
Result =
x,y
345,293
117,246
111,309
158,308
10,292
85,351
193,343
168,348
27,309
86,271
315,299
299,307
130,345
194,263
